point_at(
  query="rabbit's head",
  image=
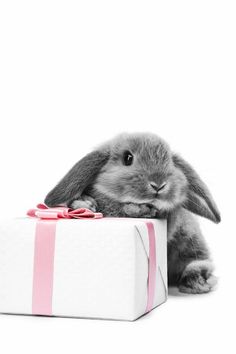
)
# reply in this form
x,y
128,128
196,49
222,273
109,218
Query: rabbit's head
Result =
x,y
138,168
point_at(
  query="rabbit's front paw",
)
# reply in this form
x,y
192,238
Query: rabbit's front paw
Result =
x,y
85,201
139,210
197,278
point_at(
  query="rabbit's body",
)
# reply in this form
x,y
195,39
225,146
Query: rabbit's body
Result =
x,y
138,176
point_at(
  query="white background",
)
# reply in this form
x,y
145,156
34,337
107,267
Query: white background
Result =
x,y
74,73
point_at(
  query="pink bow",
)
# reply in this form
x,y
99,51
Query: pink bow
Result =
x,y
44,212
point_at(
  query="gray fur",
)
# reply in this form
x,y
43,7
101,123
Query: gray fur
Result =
x,y
125,191
198,199
77,179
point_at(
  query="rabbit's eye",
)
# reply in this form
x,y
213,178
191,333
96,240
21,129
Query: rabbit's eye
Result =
x,y
127,158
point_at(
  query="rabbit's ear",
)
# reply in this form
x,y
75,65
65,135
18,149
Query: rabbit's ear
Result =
x,y
199,199
77,179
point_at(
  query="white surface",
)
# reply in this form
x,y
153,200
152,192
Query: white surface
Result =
x,y
100,267
16,265
74,73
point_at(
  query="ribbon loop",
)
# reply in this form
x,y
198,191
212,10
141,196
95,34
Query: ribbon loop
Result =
x,y
44,212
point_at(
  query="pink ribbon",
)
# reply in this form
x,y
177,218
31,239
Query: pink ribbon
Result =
x,y
44,212
151,266
44,250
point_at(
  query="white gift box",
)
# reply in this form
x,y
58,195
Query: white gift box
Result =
x,y
109,268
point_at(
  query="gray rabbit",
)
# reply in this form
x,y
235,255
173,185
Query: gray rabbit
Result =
x,y
137,175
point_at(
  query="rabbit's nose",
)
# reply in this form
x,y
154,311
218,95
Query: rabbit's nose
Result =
x,y
154,186
158,189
